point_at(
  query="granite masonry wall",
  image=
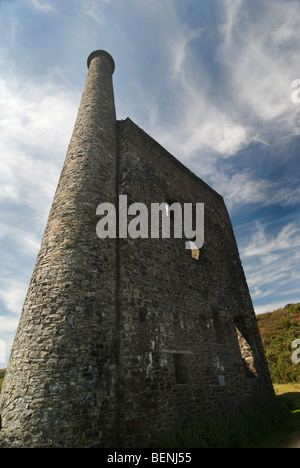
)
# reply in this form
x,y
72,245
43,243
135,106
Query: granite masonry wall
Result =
x,y
122,340
189,339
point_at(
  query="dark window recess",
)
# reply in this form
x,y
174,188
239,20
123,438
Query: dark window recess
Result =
x,y
218,326
181,372
143,314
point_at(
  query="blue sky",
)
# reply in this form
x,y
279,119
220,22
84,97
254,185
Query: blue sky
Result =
x,y
210,80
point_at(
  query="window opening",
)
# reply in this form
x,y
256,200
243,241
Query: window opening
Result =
x,y
218,325
222,381
247,355
195,252
181,372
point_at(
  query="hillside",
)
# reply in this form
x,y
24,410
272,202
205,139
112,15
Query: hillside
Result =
x,y
2,373
278,331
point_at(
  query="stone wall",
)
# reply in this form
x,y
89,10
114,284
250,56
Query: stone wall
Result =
x,y
122,340
180,353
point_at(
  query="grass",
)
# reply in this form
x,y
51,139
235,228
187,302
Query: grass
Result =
x,y
281,389
289,435
271,423
244,428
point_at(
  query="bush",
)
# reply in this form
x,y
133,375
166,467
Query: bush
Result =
x,y
278,330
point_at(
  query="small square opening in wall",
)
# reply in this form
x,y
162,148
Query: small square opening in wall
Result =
x,y
222,381
181,372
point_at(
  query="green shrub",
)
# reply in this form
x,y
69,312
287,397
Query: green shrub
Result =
x,y
278,330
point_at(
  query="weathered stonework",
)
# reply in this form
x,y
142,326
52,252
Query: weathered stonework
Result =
x,y
121,340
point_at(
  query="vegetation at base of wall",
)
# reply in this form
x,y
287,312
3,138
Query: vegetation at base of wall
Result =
x,y
2,374
240,429
269,423
278,330
288,436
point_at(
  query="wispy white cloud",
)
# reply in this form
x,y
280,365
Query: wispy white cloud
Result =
x,y
93,10
199,123
202,130
42,6
246,187
12,294
258,57
242,188
25,241
261,244
35,126
8,326
262,60
232,10
36,121
271,260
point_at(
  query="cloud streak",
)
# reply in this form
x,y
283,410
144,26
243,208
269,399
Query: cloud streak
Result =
x,y
271,260
212,121
261,61
39,5
36,124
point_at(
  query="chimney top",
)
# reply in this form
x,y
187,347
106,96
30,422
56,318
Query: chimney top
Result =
x,y
96,53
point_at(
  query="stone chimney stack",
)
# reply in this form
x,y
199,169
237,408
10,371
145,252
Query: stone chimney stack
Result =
x,y
59,389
